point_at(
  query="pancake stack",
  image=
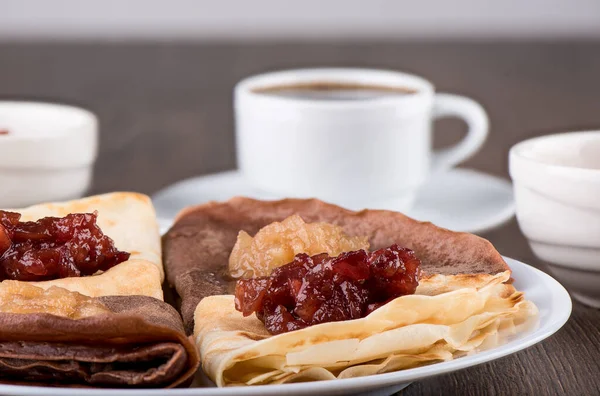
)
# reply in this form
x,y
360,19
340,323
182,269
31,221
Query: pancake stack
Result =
x,y
111,329
464,301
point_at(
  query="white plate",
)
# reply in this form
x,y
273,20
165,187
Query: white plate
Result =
x,y
460,199
550,297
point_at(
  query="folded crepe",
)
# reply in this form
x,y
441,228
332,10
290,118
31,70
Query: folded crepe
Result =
x,y
63,338
197,247
464,301
408,331
129,219
109,329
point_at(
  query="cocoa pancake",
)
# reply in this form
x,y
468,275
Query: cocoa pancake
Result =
x,y
117,341
197,247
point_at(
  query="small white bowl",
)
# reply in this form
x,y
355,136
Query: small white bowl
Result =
x,y
557,194
47,152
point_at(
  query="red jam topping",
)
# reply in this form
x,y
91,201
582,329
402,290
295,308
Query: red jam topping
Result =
x,y
319,289
54,247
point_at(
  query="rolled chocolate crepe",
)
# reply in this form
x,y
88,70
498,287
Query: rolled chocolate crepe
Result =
x,y
197,247
63,338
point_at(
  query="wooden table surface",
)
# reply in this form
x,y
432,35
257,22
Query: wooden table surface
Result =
x,y
166,114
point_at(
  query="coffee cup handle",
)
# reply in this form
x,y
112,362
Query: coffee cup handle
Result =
x,y
448,105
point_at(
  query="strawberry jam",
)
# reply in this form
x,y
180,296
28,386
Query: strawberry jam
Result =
x,y
319,289
54,247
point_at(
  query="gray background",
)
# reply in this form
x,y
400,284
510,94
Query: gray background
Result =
x,y
307,19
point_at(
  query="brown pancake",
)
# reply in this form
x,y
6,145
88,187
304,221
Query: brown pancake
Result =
x,y
135,341
197,247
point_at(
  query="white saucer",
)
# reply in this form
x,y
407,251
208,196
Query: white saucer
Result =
x,y
460,199
547,294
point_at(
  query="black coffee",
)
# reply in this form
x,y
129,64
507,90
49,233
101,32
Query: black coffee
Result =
x,y
334,91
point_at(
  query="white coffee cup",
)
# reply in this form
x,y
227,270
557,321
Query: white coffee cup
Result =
x,y
353,152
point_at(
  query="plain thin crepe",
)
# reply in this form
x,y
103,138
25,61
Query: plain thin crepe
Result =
x,y
407,332
129,219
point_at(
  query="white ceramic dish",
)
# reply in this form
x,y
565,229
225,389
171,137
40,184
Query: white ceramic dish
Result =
x,y
459,199
47,153
301,146
557,192
550,297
